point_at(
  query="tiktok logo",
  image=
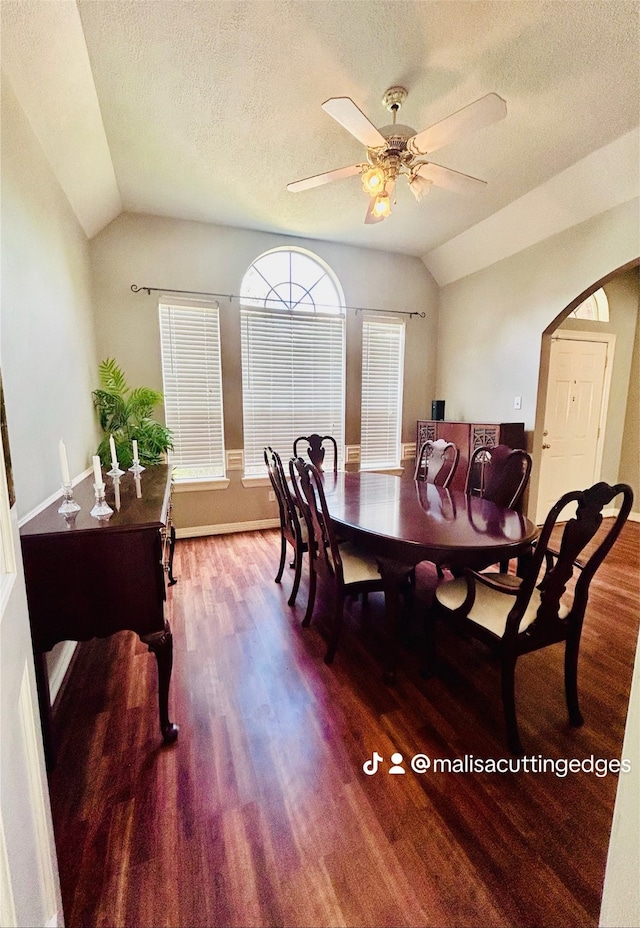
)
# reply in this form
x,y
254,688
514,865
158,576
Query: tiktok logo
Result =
x,y
370,767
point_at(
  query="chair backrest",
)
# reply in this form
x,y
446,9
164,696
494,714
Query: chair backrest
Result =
x,y
560,560
437,462
499,474
316,450
289,521
323,545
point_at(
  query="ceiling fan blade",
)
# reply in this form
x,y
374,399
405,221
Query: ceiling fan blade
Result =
x,y
450,180
483,112
319,179
351,118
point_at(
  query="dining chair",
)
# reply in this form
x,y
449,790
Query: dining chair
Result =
x,y
316,450
293,530
517,615
499,474
437,462
346,569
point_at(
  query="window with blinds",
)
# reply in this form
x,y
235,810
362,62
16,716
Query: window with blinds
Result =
x,y
293,354
192,377
382,379
292,381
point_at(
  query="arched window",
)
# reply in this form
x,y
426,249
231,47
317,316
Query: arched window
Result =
x,y
595,307
293,353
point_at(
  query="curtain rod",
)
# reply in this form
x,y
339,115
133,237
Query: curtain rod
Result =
x,y
234,296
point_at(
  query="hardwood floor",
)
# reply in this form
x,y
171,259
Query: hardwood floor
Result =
x,y
261,813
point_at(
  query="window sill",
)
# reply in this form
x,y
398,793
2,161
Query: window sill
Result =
x,y
196,485
256,481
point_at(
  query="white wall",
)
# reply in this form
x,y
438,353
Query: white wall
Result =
x,y
47,352
157,252
491,322
621,892
47,344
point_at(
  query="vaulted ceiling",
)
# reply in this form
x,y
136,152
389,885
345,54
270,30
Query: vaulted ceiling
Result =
x,y
206,110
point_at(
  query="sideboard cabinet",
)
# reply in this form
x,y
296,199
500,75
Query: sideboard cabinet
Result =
x,y
89,579
468,436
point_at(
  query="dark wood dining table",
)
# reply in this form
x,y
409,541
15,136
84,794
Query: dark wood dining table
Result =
x,y
402,522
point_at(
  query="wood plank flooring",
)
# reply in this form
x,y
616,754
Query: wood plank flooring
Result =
x,y
261,813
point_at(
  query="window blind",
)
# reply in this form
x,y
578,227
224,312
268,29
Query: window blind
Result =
x,y
382,380
292,381
191,372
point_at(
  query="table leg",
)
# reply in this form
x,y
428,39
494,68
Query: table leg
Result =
x,y
161,643
46,715
172,548
394,575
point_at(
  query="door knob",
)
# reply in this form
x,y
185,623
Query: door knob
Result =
x,y
546,446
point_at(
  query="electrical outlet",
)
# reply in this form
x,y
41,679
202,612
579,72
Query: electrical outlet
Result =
x,y
272,496
517,402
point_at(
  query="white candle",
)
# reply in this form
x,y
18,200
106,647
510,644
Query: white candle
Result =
x,y
97,471
64,464
114,457
135,451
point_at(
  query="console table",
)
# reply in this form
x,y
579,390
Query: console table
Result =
x,y
468,436
89,579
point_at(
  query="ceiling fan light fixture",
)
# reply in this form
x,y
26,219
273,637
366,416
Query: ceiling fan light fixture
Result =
x,y
420,186
382,206
373,181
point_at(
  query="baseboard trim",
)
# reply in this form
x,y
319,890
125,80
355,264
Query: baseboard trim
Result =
x,y
613,511
226,528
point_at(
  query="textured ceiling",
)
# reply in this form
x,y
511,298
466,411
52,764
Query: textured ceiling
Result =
x,y
210,108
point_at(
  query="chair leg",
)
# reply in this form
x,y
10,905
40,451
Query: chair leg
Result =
x,y
297,563
283,558
508,667
312,596
571,681
338,615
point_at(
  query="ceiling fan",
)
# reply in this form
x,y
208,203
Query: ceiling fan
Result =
x,y
399,150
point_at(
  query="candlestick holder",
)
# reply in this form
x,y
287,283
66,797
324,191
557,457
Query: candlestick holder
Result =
x,y
115,471
138,483
101,510
116,492
68,506
136,468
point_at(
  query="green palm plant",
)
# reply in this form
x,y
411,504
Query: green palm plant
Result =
x,y
126,414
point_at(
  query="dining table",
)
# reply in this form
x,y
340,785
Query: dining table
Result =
x,y
402,522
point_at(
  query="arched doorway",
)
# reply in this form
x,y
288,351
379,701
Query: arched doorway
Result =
x,y
584,383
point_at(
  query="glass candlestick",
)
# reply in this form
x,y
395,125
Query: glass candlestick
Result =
x,y
101,510
136,467
68,506
116,492
115,471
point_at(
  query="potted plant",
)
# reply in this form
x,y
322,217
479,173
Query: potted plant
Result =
x,y
126,414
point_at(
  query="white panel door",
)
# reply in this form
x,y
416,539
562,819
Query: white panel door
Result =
x,y
29,885
572,419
